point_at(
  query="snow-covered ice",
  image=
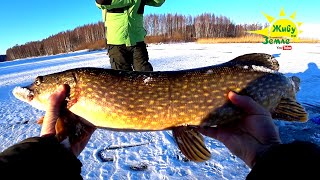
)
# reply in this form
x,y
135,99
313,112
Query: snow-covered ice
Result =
x,y
156,153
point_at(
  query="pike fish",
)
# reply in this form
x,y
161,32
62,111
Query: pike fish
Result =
x,y
169,100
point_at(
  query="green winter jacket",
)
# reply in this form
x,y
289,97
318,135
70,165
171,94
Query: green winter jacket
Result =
x,y
124,20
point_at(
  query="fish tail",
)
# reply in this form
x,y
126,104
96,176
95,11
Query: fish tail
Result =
x,y
290,110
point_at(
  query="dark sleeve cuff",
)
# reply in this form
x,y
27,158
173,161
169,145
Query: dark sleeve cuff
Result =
x,y
39,155
104,2
288,161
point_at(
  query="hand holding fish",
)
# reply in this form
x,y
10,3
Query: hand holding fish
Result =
x,y
252,135
53,112
49,124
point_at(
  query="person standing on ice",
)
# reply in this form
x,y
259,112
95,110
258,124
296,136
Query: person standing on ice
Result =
x,y
125,33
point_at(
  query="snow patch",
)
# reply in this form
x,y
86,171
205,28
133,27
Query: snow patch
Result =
x,y
210,71
22,94
147,79
262,69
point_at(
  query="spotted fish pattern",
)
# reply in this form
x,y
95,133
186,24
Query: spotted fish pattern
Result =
x,y
172,100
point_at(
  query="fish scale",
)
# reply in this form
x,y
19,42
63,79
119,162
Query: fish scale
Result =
x,y
172,101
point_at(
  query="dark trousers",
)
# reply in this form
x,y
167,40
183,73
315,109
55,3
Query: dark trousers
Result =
x,y
129,58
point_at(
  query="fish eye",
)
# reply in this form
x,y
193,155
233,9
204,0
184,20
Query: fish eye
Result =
x,y
38,81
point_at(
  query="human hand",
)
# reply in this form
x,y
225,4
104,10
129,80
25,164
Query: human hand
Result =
x,y
252,136
49,124
53,111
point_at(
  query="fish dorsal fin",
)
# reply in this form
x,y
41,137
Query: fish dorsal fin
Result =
x,y
290,110
191,143
257,59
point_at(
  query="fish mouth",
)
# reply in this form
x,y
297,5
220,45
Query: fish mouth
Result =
x,y
23,94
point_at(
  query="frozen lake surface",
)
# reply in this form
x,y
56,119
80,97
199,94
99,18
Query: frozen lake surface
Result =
x,y
157,151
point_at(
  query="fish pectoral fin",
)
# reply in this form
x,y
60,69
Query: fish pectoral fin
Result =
x,y
290,110
70,125
61,130
257,59
74,128
191,143
40,120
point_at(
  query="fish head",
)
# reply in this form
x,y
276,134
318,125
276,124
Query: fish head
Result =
x,y
38,93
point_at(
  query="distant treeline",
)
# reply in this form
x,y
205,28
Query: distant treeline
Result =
x,y
160,28
62,42
176,27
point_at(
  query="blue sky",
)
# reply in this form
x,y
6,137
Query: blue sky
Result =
x,y
25,21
